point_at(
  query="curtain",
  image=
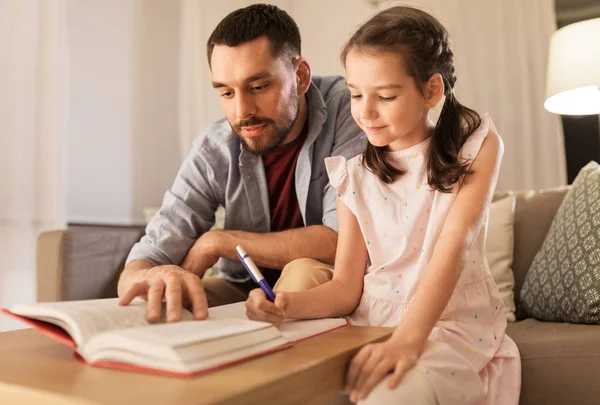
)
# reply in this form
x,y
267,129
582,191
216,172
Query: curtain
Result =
x,y
33,101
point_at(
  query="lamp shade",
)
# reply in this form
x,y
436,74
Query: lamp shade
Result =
x,y
573,76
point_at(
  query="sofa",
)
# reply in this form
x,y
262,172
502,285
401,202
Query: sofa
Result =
x,y
560,361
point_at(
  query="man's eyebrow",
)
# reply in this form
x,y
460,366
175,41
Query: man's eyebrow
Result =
x,y
248,80
258,76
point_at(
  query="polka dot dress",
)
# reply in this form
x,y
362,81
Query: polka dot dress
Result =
x,y
468,358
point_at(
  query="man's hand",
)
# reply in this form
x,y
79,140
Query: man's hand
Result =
x,y
259,308
177,286
203,254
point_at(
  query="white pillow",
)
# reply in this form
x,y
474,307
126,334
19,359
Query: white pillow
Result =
x,y
499,250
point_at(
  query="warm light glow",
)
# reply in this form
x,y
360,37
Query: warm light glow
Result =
x,y
581,101
573,77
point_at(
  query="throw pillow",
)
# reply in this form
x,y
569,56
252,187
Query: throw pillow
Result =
x,y
563,282
499,250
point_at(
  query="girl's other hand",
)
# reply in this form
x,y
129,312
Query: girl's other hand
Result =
x,y
374,361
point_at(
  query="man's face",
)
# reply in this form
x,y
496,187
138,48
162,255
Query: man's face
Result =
x,y
257,91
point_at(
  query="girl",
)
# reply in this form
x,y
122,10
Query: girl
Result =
x,y
414,207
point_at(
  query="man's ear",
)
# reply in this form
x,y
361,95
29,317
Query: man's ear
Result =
x,y
434,90
303,75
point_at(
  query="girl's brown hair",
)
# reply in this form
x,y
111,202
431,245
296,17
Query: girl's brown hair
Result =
x,y
423,43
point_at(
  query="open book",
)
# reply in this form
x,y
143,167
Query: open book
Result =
x,y
102,333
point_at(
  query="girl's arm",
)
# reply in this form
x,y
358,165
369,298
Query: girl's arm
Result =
x,y
463,224
337,297
342,294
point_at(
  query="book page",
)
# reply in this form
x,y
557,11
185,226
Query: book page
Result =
x,y
193,332
293,330
182,344
84,319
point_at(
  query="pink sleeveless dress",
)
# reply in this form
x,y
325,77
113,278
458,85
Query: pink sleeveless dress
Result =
x,y
468,358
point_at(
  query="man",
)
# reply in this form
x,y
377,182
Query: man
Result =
x,y
264,163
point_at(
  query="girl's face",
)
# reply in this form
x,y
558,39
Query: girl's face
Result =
x,y
386,102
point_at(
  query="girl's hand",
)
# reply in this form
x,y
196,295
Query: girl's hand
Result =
x,y
259,308
374,361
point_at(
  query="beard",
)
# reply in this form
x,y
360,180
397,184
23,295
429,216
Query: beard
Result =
x,y
275,133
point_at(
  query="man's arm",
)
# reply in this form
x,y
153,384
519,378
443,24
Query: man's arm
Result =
x,y
152,270
132,272
271,250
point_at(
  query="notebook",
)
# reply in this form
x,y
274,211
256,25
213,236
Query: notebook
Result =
x,y
104,334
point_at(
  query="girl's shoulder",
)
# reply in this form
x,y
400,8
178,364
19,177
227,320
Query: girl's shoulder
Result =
x,y
486,126
338,166
473,143
337,170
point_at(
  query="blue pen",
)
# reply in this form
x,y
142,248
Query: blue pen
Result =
x,y
255,273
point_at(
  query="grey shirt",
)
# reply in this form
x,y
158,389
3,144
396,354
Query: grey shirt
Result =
x,y
218,171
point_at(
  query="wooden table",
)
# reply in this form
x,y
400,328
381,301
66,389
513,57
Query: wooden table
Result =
x,y
35,369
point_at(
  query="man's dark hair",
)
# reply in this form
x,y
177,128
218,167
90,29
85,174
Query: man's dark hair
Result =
x,y
252,22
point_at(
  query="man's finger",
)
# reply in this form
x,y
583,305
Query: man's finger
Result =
x,y
155,296
136,290
197,296
173,296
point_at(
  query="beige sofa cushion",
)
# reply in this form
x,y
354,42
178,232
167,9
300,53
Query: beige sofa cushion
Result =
x,y
560,362
499,250
82,262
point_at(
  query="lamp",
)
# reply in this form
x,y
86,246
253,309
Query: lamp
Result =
x,y
573,76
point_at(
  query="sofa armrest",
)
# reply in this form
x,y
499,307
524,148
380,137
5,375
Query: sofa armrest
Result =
x,y
82,262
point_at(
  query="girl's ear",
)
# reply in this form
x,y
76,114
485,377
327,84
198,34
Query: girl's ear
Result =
x,y
434,90
303,75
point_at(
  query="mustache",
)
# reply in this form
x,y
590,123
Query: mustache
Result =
x,y
252,121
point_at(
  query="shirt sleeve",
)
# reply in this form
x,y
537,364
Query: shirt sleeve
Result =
x,y
350,141
471,147
337,170
187,211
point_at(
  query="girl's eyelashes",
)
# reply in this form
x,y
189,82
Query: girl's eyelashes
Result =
x,y
382,98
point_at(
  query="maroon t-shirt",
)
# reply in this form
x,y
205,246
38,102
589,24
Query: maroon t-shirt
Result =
x,y
280,169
